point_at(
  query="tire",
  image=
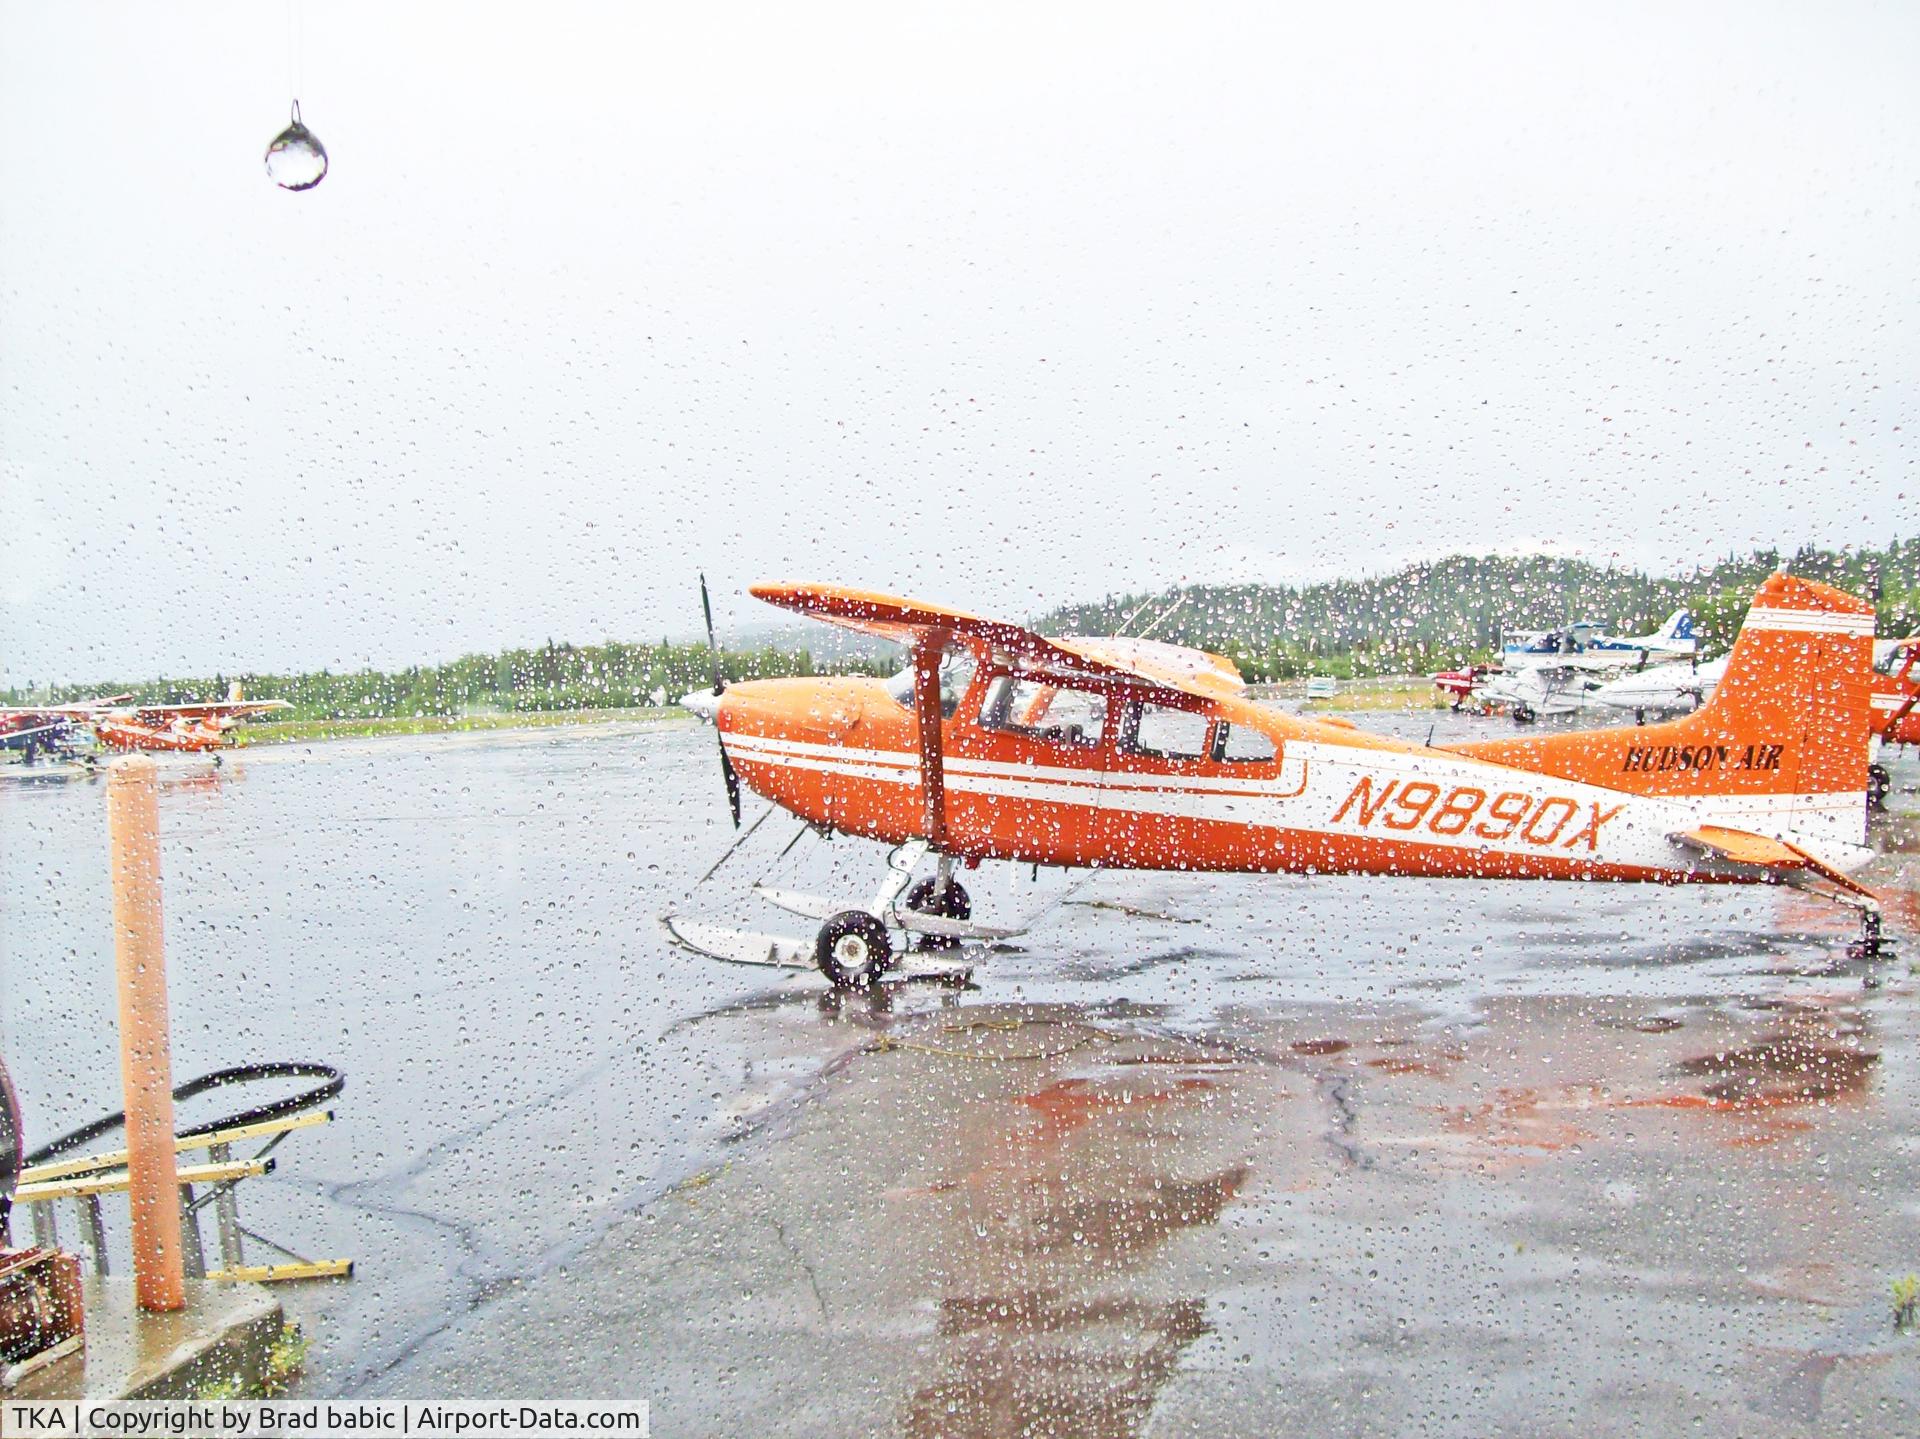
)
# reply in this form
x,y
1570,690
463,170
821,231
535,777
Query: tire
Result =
x,y
1878,783
953,904
853,950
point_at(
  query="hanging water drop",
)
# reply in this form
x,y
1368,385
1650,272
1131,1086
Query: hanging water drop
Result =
x,y
296,160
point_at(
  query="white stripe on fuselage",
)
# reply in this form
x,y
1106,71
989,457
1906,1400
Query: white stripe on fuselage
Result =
x,y
1811,622
1355,790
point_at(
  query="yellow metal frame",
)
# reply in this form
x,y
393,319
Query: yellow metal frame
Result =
x,y
276,1273
114,1182
87,1164
90,1176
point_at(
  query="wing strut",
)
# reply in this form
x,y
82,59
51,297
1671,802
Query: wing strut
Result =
x,y
926,705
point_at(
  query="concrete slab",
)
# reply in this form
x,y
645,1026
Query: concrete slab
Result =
x,y
1592,1215
223,1336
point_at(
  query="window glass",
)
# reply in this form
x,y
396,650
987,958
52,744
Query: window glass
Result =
x,y
1161,732
1241,744
957,668
1043,710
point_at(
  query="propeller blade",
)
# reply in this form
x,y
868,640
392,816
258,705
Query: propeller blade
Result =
x,y
732,782
727,775
713,649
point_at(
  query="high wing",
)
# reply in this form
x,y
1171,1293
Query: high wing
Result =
x,y
906,622
77,710
911,623
32,723
210,709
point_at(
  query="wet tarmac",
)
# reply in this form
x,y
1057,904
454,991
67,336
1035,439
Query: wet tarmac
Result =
x,y
1204,1155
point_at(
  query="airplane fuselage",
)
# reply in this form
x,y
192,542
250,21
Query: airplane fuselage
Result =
x,y
843,753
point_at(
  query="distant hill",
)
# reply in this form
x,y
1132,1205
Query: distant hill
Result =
x,y
1430,615
1418,618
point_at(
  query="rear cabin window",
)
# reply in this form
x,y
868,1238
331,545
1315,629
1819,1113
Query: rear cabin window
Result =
x,y
1240,744
1041,710
1160,732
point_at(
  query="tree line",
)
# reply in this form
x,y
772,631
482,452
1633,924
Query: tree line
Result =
x,y
1431,616
1414,620
557,676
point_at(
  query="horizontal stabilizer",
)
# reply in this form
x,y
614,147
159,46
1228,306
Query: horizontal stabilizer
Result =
x,y
1744,847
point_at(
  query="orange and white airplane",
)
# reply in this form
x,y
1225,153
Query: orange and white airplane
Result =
x,y
201,728
1000,743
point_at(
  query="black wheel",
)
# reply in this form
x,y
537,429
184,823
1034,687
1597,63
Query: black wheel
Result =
x,y
953,904
853,950
1878,783
1522,715
927,898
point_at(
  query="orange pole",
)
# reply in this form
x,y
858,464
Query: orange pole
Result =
x,y
146,1060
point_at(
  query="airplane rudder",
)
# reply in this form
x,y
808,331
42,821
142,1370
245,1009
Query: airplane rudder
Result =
x,y
1799,676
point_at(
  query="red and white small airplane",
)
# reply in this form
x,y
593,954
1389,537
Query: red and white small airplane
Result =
x,y
1000,743
199,728
38,730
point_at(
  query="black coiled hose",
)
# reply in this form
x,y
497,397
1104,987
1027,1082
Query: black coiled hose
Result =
x,y
332,1082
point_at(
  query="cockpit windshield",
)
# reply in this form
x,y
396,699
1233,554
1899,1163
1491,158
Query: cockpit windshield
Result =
x,y
956,673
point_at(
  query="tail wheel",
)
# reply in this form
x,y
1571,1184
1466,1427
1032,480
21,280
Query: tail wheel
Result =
x,y
1879,781
853,950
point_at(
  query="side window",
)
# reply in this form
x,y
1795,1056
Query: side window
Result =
x,y
1241,744
1160,732
957,665
1041,710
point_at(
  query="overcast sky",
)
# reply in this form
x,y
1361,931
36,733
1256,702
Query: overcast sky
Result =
x,y
1003,305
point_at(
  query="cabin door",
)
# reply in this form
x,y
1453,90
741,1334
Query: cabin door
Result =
x,y
1023,768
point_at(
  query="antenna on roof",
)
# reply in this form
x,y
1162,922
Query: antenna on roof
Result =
x,y
1164,616
1132,617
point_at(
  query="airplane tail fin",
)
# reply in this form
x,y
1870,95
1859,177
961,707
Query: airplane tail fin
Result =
x,y
1678,628
234,696
1782,743
1781,747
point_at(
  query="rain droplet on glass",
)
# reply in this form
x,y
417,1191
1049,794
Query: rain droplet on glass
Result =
x,y
296,160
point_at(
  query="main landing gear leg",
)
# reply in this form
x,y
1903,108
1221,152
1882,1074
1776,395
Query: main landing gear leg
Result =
x,y
853,948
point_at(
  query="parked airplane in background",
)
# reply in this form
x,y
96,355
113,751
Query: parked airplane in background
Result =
x,y
1458,685
1664,689
1556,672
1000,743
1584,646
48,730
201,728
